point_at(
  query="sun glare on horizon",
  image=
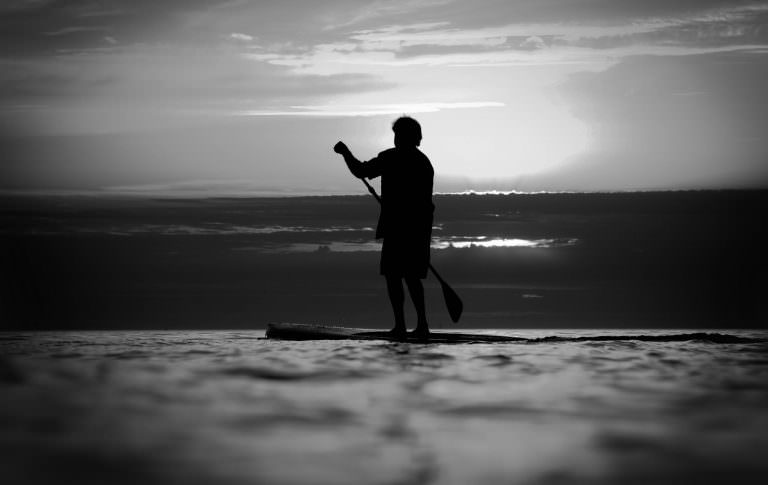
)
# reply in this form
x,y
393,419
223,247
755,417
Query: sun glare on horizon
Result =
x,y
503,143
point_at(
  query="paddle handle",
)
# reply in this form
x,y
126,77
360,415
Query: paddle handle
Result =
x,y
372,190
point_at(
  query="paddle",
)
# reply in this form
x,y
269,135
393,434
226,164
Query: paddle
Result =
x,y
452,300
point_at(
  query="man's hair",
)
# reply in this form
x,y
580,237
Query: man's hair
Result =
x,y
408,129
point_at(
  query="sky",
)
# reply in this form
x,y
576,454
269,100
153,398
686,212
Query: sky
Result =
x,y
238,97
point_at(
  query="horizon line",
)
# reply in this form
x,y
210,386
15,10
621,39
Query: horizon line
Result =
x,y
277,193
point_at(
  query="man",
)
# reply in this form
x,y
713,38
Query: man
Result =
x,y
405,220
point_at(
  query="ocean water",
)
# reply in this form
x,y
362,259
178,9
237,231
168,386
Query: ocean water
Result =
x,y
232,407
635,260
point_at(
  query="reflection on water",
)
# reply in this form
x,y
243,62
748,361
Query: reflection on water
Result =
x,y
454,242
203,407
297,238
335,246
485,242
203,229
220,229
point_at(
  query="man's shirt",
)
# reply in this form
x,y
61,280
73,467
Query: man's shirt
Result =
x,y
406,192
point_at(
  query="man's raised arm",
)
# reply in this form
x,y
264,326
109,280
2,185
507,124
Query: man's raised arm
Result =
x,y
355,166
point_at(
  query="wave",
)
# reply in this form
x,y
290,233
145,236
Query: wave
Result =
x,y
296,331
715,338
271,374
209,229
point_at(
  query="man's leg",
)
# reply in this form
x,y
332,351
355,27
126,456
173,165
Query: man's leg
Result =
x,y
397,298
416,289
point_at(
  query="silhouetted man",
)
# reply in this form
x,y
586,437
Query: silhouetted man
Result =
x,y
405,220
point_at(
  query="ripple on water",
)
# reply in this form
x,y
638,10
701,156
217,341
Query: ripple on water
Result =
x,y
67,355
491,410
13,338
199,352
270,374
317,416
435,356
494,360
130,354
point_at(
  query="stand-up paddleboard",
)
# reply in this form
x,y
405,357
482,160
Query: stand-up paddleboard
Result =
x,y
303,331
300,331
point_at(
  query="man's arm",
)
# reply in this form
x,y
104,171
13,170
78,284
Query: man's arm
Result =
x,y
358,168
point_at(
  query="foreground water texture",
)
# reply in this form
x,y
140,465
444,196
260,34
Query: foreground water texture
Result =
x,y
233,407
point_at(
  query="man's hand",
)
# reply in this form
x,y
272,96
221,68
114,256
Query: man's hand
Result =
x,y
355,166
340,148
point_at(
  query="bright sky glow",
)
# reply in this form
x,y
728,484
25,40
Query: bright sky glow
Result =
x,y
369,109
249,96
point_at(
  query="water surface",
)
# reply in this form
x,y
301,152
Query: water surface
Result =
x,y
232,407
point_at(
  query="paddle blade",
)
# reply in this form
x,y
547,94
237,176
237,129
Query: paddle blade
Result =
x,y
453,302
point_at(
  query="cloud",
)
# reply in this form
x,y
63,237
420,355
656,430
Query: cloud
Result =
x,y
114,12
533,42
730,28
370,109
241,37
127,87
76,29
386,9
43,27
329,59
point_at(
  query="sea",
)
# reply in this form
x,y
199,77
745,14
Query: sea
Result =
x,y
232,407
132,344
691,259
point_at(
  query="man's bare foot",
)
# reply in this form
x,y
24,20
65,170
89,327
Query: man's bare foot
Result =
x,y
398,333
420,333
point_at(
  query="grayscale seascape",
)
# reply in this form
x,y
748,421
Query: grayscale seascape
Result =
x,y
231,407
383,242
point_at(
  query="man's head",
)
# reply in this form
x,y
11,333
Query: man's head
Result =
x,y
407,132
